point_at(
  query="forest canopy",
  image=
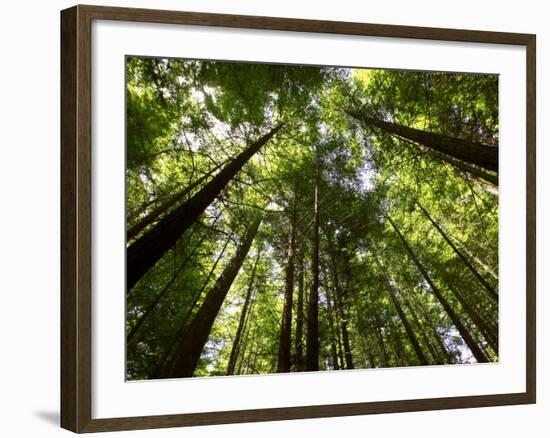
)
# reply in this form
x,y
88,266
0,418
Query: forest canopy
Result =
x,y
287,218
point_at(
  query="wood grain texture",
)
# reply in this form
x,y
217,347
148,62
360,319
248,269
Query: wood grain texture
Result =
x,y
76,223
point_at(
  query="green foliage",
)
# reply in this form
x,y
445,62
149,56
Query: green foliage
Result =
x,y
186,119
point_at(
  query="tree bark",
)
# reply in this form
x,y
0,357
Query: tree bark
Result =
x,y
157,212
472,345
340,308
410,332
197,334
299,338
285,338
492,293
474,171
236,347
150,247
162,364
485,156
312,350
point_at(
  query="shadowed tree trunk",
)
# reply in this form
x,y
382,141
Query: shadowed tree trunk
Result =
x,y
164,361
492,293
384,356
312,346
283,362
236,347
485,156
472,345
197,334
163,292
157,212
410,332
299,342
335,344
150,247
341,311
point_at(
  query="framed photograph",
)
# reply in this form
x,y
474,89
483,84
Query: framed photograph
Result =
x,y
270,218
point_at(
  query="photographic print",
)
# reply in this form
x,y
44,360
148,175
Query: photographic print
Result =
x,y
291,218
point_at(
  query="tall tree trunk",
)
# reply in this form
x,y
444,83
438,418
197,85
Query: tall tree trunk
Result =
x,y
410,332
472,345
163,363
335,343
487,332
236,347
197,334
299,337
384,356
283,361
436,355
340,308
150,247
312,350
475,258
474,171
492,293
163,292
157,212
449,356
482,155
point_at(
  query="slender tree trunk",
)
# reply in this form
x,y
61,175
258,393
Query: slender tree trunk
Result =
x,y
482,155
479,262
335,344
340,308
410,332
449,356
283,362
384,356
472,345
150,247
157,212
236,347
299,338
492,293
312,351
487,332
437,357
199,329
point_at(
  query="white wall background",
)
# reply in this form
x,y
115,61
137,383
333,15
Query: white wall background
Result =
x,y
29,216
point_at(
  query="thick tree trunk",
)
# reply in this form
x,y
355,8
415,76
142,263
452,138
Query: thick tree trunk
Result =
x,y
299,338
157,212
474,171
164,291
236,347
472,345
482,155
312,350
150,247
164,362
283,362
492,293
197,334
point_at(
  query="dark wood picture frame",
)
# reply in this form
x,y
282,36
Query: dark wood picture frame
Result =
x,y
76,218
